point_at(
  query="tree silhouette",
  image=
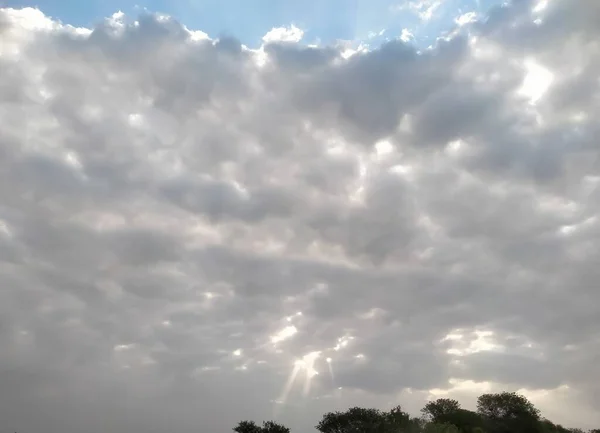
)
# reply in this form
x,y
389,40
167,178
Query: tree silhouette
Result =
x,y
438,408
509,412
506,412
267,427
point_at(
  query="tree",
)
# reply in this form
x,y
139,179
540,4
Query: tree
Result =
x,y
273,427
548,426
434,427
267,427
247,427
416,425
506,412
448,411
360,420
509,412
398,420
354,420
435,409
467,421
506,405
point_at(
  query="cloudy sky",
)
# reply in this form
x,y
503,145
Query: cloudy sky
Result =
x,y
322,21
197,229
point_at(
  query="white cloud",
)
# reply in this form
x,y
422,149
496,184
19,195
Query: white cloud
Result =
x,y
466,18
406,35
284,34
284,334
168,207
536,81
424,9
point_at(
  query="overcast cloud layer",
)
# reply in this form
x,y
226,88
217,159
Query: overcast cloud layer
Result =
x,y
183,219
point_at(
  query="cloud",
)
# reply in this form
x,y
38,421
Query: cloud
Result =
x,y
424,9
284,34
182,219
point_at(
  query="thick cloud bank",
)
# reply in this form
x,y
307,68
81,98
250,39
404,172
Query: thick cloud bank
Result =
x,y
191,230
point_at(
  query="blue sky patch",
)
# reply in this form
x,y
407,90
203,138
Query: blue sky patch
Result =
x,y
323,21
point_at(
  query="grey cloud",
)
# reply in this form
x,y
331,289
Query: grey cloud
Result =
x,y
180,224
522,370
297,59
371,91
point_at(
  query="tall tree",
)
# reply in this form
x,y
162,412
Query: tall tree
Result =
x,y
398,420
435,409
448,411
467,421
360,420
354,420
506,405
509,412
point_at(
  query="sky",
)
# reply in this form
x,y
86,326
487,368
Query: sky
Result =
x,y
220,216
323,21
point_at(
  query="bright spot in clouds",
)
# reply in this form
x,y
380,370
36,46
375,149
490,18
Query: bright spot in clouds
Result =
x,y
284,334
342,342
536,82
540,6
122,347
466,18
406,35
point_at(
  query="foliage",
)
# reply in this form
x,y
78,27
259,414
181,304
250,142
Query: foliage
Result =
x,y
448,411
467,421
434,427
360,420
267,427
548,426
273,427
506,405
506,412
509,412
247,427
436,409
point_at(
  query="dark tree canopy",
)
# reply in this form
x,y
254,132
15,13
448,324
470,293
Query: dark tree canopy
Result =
x,y
506,405
267,427
360,420
355,420
506,412
442,406
467,421
548,426
434,427
273,427
509,412
445,411
247,427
